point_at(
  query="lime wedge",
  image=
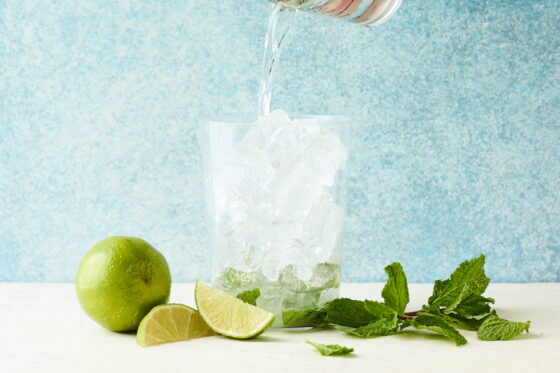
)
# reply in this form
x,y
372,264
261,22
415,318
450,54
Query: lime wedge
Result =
x,y
171,323
228,315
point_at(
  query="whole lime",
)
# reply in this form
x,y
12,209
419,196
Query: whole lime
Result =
x,y
120,280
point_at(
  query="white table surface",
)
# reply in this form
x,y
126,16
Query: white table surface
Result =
x,y
43,329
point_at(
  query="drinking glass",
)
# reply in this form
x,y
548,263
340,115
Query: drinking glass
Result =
x,y
275,196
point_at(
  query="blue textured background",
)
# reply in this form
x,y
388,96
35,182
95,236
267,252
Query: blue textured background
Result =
x,y
456,150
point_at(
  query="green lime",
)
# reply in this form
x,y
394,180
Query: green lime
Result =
x,y
171,323
120,280
228,315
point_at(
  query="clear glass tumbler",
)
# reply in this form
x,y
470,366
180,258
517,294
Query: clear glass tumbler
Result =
x,y
364,12
275,194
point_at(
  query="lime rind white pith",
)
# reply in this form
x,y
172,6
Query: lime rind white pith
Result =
x,y
228,315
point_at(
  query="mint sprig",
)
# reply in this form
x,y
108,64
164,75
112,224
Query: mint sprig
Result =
x,y
330,350
456,302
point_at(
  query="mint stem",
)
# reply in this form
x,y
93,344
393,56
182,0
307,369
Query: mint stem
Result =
x,y
411,315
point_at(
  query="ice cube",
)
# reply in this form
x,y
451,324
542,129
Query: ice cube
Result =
x,y
239,244
325,276
326,156
322,229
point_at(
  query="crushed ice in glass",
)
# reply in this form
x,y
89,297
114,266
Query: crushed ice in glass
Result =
x,y
278,225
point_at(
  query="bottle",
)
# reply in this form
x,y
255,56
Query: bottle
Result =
x,y
363,12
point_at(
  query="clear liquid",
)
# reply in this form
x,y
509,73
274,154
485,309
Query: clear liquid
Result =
x,y
279,23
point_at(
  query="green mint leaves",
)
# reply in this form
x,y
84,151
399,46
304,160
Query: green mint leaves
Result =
x,y
497,329
385,321
456,302
468,282
439,325
395,292
299,318
250,296
374,318
330,350
380,327
348,312
474,306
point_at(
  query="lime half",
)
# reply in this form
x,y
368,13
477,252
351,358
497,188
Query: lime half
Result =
x,y
228,315
171,323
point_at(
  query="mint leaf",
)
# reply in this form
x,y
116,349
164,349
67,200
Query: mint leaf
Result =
x,y
379,310
495,328
348,312
463,322
475,305
384,322
395,292
308,317
438,325
330,350
382,326
467,281
469,323
250,296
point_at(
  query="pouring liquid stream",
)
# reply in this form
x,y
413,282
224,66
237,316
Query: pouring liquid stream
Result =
x,y
279,23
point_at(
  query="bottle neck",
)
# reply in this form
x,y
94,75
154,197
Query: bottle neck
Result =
x,y
363,12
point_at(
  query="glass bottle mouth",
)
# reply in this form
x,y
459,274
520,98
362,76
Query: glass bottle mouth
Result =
x,y
364,12
391,6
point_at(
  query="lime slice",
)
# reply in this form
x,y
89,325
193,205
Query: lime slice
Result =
x,y
228,315
171,323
